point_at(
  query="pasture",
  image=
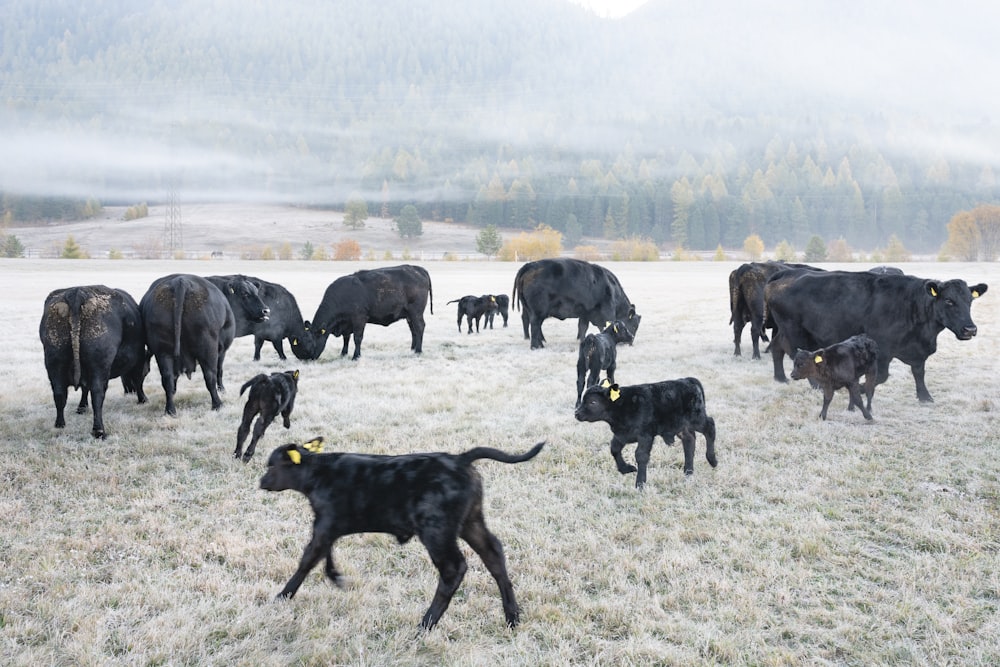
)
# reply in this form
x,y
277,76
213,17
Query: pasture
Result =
x,y
837,542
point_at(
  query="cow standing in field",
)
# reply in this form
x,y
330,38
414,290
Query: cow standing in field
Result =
x,y
599,352
503,307
474,308
641,412
903,314
746,300
270,396
90,335
839,366
187,321
564,288
376,296
284,319
437,497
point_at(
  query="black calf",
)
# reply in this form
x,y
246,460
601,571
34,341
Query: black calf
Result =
x,y
269,396
840,366
598,352
436,496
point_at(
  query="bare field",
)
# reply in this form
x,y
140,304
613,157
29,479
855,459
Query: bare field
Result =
x,y
838,542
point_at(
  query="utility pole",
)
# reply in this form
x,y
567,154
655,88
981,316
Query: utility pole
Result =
x,y
173,235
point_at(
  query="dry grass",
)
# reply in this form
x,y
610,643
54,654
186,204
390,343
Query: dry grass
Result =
x,y
812,543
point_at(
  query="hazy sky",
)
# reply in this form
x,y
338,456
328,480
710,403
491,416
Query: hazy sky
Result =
x,y
611,8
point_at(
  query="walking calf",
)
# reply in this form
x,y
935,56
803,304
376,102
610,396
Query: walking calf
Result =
x,y
598,352
270,395
641,412
839,366
436,496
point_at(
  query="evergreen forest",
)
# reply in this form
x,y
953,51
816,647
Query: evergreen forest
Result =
x,y
685,123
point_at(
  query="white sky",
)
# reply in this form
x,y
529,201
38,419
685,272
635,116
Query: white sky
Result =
x,y
611,8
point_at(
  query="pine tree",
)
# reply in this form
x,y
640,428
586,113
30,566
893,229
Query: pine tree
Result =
x,y
489,241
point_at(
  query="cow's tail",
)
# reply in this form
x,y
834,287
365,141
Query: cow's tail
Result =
x,y
497,455
513,292
430,292
252,381
75,302
180,289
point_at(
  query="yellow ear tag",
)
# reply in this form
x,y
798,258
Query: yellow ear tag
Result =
x,y
322,332
295,341
975,294
933,292
615,395
315,445
616,329
605,383
295,375
818,358
607,324
232,291
295,457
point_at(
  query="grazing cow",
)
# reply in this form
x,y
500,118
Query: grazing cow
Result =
x,y
839,366
270,396
904,314
436,496
474,307
598,352
746,300
641,412
284,318
89,336
503,307
563,288
379,296
187,320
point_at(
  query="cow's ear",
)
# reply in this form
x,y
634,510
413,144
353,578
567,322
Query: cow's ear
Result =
x,y
613,393
295,374
615,329
605,383
322,332
932,288
978,290
315,445
293,454
295,341
818,358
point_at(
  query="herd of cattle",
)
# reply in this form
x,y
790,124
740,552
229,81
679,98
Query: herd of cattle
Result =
x,y
838,327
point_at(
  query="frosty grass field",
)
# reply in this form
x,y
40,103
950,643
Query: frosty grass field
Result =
x,y
838,542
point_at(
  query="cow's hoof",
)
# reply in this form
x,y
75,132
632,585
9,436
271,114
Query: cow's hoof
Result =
x,y
100,435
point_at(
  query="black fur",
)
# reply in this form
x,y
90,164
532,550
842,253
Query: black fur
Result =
x,y
270,395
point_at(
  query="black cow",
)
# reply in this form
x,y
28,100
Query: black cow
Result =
x,y
284,318
904,314
503,307
378,296
474,308
641,412
746,300
270,396
436,496
90,335
187,320
563,288
599,352
838,366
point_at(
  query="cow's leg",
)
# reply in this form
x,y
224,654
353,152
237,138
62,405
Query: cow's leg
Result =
x,y
485,543
265,419
611,371
537,340
755,341
468,321
460,320
827,397
855,390
258,343
343,350
778,357
738,325
708,430
417,327
81,408
60,392
616,452
279,347
210,371
168,379
98,389
451,567
525,320
218,369
581,328
319,546
642,452
331,571
918,377
249,412
870,383
581,372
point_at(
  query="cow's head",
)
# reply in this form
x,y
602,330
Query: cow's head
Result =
x,y
304,344
951,303
806,364
632,321
285,466
619,331
244,293
597,402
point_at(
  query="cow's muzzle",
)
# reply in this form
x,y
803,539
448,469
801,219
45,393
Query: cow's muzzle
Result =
x,y
967,332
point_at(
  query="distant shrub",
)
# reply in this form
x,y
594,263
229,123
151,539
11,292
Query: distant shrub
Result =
x,y
267,253
72,250
896,251
720,254
387,256
753,246
347,250
682,255
115,253
11,246
634,249
588,253
307,251
137,211
285,251
784,252
838,251
539,244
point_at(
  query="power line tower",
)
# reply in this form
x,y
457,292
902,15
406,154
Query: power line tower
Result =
x,y
173,234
